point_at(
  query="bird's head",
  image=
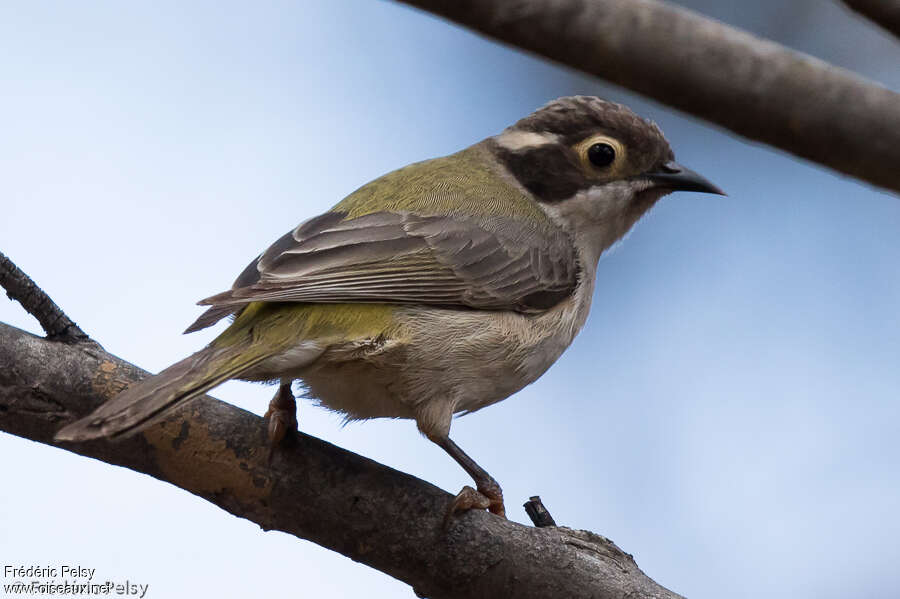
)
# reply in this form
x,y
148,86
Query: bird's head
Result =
x,y
594,165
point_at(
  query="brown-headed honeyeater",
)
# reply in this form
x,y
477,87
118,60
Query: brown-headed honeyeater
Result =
x,y
439,288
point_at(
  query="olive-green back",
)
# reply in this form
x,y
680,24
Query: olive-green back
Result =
x,y
468,183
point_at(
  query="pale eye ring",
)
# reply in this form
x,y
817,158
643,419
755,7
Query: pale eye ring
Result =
x,y
601,154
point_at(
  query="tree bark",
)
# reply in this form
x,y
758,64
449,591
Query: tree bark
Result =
x,y
386,519
753,87
881,12
52,319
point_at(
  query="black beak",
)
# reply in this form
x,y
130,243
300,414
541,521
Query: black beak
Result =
x,y
673,176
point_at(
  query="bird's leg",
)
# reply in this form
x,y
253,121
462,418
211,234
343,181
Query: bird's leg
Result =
x,y
488,495
281,415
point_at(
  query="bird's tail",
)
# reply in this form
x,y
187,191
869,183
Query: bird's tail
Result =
x,y
151,399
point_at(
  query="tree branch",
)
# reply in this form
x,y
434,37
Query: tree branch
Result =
x,y
881,12
754,87
386,519
52,319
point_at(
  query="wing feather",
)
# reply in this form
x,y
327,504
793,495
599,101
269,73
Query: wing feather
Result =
x,y
400,257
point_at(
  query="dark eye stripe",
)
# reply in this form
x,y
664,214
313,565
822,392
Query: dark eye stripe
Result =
x,y
550,172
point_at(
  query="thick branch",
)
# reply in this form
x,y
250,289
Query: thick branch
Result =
x,y
882,12
52,319
751,86
386,519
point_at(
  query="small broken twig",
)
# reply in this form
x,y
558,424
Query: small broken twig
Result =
x,y
23,289
539,515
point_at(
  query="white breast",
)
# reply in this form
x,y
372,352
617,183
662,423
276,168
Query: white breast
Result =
x,y
473,358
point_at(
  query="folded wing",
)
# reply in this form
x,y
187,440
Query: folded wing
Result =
x,y
405,258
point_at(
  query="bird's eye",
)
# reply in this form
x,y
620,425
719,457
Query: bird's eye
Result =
x,y
601,154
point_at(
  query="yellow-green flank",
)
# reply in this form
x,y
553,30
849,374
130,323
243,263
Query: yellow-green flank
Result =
x,y
276,326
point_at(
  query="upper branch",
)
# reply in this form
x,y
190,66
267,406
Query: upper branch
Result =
x,y
368,512
754,87
883,12
53,320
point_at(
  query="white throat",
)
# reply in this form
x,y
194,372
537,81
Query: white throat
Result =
x,y
597,218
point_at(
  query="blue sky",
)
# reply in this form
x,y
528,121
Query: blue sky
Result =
x,y
728,415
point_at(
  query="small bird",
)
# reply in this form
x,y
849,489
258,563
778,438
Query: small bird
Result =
x,y
437,289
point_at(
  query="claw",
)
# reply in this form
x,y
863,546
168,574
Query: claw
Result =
x,y
467,499
489,495
470,499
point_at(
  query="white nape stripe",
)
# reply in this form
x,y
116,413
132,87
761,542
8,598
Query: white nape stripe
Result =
x,y
519,140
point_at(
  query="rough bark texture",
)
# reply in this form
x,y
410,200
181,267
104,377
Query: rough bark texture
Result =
x,y
753,87
53,320
883,12
375,515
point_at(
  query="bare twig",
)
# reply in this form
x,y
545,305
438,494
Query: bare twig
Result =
x,y
368,512
882,12
53,320
753,87
539,515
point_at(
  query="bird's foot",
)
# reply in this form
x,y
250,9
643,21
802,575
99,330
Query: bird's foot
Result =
x,y
487,497
281,417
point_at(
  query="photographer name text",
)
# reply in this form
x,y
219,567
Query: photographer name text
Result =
x,y
63,580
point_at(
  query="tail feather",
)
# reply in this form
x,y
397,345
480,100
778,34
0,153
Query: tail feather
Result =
x,y
211,317
149,400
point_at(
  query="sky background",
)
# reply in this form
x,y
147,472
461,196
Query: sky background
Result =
x,y
729,413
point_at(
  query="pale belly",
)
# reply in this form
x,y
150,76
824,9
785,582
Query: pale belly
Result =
x,y
442,360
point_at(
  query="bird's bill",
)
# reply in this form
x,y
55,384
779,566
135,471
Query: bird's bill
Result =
x,y
673,176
